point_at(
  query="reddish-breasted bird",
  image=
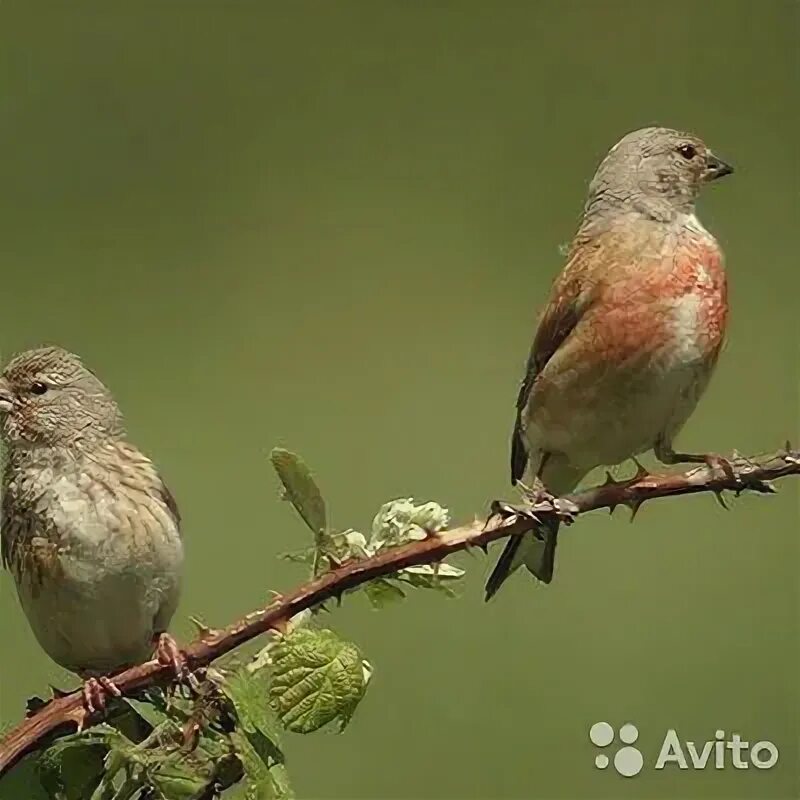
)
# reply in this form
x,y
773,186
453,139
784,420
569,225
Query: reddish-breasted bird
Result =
x,y
90,531
630,336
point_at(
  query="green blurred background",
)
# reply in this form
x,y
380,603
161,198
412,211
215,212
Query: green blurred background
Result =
x,y
329,225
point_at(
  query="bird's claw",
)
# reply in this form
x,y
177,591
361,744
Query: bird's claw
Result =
x,y
506,511
170,655
564,509
536,493
714,461
96,692
717,462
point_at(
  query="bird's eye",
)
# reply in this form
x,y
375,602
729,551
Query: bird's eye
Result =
x,y
37,387
688,151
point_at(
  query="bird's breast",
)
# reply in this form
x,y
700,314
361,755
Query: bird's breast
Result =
x,y
672,309
696,297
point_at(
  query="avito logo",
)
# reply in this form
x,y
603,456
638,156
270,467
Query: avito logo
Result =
x,y
719,751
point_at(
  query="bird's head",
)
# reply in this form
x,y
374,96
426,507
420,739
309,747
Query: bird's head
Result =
x,y
658,169
49,398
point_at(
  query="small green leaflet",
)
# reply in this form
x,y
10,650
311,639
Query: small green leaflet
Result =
x,y
72,767
300,489
257,739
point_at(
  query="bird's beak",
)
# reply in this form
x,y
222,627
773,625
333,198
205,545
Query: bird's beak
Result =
x,y
6,396
716,168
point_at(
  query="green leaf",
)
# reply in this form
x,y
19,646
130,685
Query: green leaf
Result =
x,y
301,490
317,678
258,780
431,576
122,749
262,782
72,767
382,592
147,711
250,697
257,739
179,780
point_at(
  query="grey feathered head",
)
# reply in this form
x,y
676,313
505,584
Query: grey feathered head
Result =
x,y
660,168
48,397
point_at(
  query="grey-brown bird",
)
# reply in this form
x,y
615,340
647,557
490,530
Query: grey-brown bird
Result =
x,y
90,532
631,334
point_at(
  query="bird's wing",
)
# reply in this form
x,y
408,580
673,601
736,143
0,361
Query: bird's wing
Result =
x,y
19,526
171,504
8,531
570,297
138,477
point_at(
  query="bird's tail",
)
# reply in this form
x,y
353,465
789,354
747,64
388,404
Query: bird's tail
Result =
x,y
537,549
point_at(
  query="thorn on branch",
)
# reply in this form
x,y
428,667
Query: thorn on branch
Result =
x,y
279,627
204,632
718,496
641,472
634,506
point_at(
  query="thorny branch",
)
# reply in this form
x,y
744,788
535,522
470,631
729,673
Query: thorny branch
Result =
x,y
750,474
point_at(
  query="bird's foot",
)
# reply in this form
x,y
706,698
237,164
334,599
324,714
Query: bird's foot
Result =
x,y
666,455
538,494
712,460
716,461
96,692
564,510
170,655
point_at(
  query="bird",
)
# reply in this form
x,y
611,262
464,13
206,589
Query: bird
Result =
x,y
88,528
630,335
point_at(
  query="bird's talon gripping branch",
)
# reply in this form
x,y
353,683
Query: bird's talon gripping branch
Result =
x,y
567,510
666,455
96,692
170,655
720,462
506,511
536,494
